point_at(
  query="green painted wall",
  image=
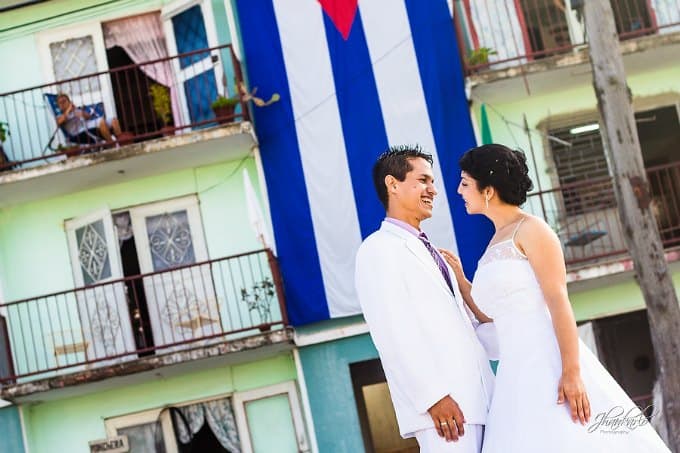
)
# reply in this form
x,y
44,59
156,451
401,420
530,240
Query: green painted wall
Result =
x,y
33,239
331,395
67,425
53,14
11,439
612,299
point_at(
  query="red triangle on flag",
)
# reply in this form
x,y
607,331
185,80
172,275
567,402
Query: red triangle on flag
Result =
x,y
342,13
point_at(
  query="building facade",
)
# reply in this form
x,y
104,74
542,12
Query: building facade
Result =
x,y
145,295
137,298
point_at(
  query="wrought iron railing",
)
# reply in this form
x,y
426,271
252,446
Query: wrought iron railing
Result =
x,y
164,97
500,33
124,319
585,214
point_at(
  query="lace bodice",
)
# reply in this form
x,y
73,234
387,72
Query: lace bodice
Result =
x,y
500,251
505,283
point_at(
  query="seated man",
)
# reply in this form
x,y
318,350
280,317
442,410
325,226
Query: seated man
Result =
x,y
74,122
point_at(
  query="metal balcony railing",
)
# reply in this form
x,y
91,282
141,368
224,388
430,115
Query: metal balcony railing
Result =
x,y
495,34
124,319
129,95
586,218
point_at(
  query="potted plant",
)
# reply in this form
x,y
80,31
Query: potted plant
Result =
x,y
160,97
479,58
224,108
4,133
260,299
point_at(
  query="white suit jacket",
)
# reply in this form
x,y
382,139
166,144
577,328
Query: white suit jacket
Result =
x,y
424,335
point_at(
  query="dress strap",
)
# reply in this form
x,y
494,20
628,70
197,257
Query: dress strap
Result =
x,y
519,224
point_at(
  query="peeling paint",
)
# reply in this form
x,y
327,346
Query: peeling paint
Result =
x,y
283,336
641,191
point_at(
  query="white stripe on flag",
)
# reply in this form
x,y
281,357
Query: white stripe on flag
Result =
x,y
322,148
388,35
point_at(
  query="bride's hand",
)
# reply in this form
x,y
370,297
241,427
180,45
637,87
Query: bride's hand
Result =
x,y
572,390
453,261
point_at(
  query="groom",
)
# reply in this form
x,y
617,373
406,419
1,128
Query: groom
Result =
x,y
437,371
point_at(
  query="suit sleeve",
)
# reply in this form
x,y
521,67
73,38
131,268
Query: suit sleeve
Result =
x,y
398,330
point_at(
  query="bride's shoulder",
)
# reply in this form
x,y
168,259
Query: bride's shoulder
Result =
x,y
534,230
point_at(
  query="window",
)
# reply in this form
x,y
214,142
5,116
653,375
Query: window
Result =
x,y
72,58
584,161
546,26
260,420
270,419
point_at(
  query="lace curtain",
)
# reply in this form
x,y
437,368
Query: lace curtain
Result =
x,y
143,40
220,417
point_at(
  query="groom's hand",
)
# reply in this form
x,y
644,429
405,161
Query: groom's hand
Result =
x,y
448,418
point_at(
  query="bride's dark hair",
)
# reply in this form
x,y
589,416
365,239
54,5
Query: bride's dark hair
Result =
x,y
500,167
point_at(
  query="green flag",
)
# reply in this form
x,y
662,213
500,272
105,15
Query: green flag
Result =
x,y
486,129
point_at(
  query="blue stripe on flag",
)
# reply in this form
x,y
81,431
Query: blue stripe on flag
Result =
x,y
362,122
434,39
289,203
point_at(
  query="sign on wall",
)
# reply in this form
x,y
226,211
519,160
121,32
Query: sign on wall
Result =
x,y
118,444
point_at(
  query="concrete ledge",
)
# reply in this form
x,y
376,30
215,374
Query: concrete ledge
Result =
x,y
235,351
579,55
612,267
127,163
125,152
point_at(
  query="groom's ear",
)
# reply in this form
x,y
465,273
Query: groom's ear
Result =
x,y
390,183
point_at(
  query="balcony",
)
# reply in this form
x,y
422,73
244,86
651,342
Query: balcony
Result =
x,y
585,216
155,119
214,308
507,33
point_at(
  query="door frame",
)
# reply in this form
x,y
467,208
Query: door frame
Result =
x,y
287,388
138,213
93,29
181,75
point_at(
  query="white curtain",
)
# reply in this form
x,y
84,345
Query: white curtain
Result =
x,y
143,40
220,417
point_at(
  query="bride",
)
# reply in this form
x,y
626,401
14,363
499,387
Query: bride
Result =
x,y
552,394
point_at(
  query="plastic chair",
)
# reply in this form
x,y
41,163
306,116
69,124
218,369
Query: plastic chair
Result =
x,y
95,110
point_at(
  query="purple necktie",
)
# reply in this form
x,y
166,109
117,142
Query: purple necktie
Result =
x,y
437,259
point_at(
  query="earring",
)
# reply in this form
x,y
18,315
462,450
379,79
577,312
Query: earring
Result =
x,y
487,202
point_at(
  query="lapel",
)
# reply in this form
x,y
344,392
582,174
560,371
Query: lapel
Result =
x,y
417,248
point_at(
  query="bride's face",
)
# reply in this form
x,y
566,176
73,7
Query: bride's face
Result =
x,y
474,200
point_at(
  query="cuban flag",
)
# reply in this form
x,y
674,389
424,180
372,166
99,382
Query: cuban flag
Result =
x,y
354,77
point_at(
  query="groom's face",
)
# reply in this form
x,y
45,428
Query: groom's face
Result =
x,y
415,194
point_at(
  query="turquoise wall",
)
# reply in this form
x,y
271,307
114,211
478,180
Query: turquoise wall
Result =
x,y
11,439
331,395
67,425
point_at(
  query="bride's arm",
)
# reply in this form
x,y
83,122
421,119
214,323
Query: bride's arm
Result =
x,y
542,247
464,285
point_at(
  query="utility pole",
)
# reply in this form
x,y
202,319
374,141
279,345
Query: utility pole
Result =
x,y
619,133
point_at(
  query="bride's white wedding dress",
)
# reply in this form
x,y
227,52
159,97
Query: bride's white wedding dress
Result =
x,y
524,416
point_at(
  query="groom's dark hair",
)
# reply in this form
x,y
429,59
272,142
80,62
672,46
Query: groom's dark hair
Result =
x,y
396,162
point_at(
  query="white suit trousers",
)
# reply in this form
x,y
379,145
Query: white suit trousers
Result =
x,y
471,442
